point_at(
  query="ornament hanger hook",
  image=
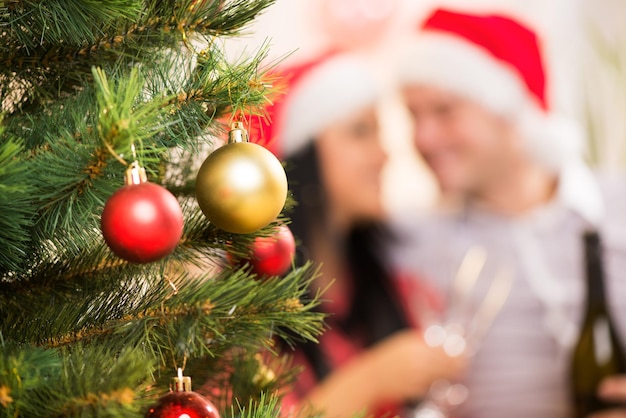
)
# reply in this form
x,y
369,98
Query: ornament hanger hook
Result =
x,y
133,150
181,383
135,174
237,133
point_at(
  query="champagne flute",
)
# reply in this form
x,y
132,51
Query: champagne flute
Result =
x,y
462,328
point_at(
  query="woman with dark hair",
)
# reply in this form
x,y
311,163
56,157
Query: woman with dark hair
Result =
x,y
371,358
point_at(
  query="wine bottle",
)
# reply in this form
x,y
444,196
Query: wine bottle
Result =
x,y
598,352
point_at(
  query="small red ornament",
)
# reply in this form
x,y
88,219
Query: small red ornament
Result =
x,y
272,255
142,221
181,402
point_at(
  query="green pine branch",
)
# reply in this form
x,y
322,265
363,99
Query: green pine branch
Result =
x,y
50,46
267,406
87,87
82,382
66,270
175,320
166,312
28,378
16,213
80,144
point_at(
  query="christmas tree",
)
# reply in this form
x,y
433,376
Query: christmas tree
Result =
x,y
92,90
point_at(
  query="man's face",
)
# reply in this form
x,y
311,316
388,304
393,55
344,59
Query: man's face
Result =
x,y
466,145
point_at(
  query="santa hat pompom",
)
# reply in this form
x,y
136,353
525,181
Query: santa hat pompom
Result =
x,y
551,139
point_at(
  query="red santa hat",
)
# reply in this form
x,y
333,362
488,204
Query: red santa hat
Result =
x,y
318,93
496,61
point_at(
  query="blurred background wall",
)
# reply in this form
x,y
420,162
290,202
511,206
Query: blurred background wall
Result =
x,y
585,41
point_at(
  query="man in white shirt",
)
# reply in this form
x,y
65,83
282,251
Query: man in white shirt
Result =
x,y
475,86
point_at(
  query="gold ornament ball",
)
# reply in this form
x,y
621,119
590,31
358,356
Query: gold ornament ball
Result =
x,y
241,187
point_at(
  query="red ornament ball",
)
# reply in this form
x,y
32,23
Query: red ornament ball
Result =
x,y
142,222
183,404
273,255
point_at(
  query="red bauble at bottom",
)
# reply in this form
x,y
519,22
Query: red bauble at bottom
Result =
x,y
178,404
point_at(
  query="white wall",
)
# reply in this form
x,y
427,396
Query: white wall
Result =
x,y
604,81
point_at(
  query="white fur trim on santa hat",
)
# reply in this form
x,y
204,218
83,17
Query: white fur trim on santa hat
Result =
x,y
329,92
454,64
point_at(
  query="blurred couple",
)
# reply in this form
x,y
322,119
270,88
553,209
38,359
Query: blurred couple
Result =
x,y
512,173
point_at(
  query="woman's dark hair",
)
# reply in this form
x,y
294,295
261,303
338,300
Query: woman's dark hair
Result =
x,y
375,310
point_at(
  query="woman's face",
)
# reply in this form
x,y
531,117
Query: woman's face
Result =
x,y
351,159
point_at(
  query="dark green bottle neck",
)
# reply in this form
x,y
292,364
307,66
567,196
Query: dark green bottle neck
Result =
x,y
596,293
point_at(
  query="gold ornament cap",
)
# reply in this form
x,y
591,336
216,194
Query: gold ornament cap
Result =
x,y
181,383
237,133
135,174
